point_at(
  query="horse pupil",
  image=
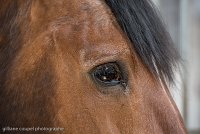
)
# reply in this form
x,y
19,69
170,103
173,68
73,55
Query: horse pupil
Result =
x,y
108,73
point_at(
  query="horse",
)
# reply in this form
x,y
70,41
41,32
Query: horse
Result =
x,y
87,66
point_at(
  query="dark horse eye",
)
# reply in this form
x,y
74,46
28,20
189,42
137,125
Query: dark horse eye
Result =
x,y
108,74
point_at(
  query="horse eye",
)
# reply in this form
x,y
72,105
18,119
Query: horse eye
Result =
x,y
108,74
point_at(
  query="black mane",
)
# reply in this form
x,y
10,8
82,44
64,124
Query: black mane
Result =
x,y
141,23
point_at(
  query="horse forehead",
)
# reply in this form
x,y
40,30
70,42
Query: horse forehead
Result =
x,y
84,16
58,8
83,26
91,22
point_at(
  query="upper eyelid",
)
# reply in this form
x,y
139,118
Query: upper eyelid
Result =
x,y
104,59
102,64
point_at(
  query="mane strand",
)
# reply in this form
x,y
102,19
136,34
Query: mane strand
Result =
x,y
141,23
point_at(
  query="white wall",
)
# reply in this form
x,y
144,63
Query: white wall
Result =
x,y
194,66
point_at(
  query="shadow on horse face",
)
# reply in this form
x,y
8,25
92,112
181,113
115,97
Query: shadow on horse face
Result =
x,y
73,67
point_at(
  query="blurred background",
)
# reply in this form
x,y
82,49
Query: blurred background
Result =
x,y
182,19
